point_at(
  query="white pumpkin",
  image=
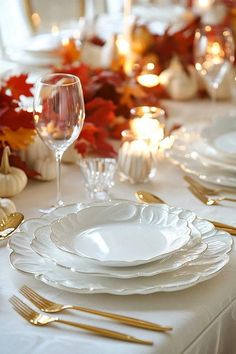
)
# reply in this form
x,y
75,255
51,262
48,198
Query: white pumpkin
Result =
x,y
36,150
6,207
179,84
40,159
46,167
12,180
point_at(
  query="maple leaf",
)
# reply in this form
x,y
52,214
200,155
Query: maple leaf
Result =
x,y
82,71
16,139
130,92
14,120
69,51
93,140
17,162
18,86
100,112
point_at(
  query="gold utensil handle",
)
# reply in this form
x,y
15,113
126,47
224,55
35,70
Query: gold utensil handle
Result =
x,y
232,232
125,319
219,224
229,199
106,332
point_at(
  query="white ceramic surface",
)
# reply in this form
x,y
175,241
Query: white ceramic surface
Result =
x,y
196,156
221,134
43,245
23,258
121,233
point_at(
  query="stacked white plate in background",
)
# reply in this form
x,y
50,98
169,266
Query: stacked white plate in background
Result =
x,y
120,247
207,151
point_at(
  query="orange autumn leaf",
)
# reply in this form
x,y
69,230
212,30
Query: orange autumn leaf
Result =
x,y
17,139
131,92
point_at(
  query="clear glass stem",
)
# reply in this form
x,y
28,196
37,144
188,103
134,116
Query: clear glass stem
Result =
x,y
58,161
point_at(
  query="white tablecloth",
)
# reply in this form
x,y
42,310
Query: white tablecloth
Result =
x,y
203,317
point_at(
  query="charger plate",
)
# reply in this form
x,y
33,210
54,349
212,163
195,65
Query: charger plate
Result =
x,y
23,258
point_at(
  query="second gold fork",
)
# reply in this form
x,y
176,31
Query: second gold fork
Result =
x,y
48,306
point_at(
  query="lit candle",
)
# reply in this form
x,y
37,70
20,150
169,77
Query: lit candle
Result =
x,y
215,53
148,77
147,122
202,6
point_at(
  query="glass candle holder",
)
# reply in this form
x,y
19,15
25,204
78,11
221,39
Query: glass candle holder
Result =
x,y
134,159
147,122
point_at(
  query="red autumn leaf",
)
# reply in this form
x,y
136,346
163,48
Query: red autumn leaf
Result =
x,y
16,119
17,162
82,71
93,140
100,112
6,102
104,84
18,86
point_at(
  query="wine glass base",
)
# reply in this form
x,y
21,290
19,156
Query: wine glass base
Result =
x,y
52,208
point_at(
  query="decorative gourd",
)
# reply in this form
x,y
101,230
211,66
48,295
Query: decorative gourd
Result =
x,y
47,169
12,180
40,159
179,84
6,207
36,150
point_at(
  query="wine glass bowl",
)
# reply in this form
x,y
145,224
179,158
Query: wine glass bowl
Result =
x,y
58,114
213,55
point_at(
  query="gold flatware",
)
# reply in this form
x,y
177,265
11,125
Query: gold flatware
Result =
x,y
9,224
204,189
208,200
149,198
37,319
48,306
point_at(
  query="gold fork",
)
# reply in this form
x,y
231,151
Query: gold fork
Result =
x,y
37,319
147,197
206,190
208,200
48,306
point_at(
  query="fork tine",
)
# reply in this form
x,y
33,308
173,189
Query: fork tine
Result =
x,y
34,297
21,313
15,301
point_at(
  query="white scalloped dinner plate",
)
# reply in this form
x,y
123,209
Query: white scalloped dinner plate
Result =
x,y
43,245
221,134
207,265
121,234
197,157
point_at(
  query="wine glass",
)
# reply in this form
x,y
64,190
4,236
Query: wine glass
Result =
x,y
213,55
58,115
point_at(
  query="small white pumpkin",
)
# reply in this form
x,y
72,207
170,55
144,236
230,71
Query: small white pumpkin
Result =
x,y
41,159
36,150
179,84
46,167
12,180
6,207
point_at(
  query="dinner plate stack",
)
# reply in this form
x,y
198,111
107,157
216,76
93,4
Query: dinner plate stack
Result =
x,y
120,247
207,151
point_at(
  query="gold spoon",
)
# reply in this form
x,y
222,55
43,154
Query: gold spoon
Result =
x,y
9,224
149,198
